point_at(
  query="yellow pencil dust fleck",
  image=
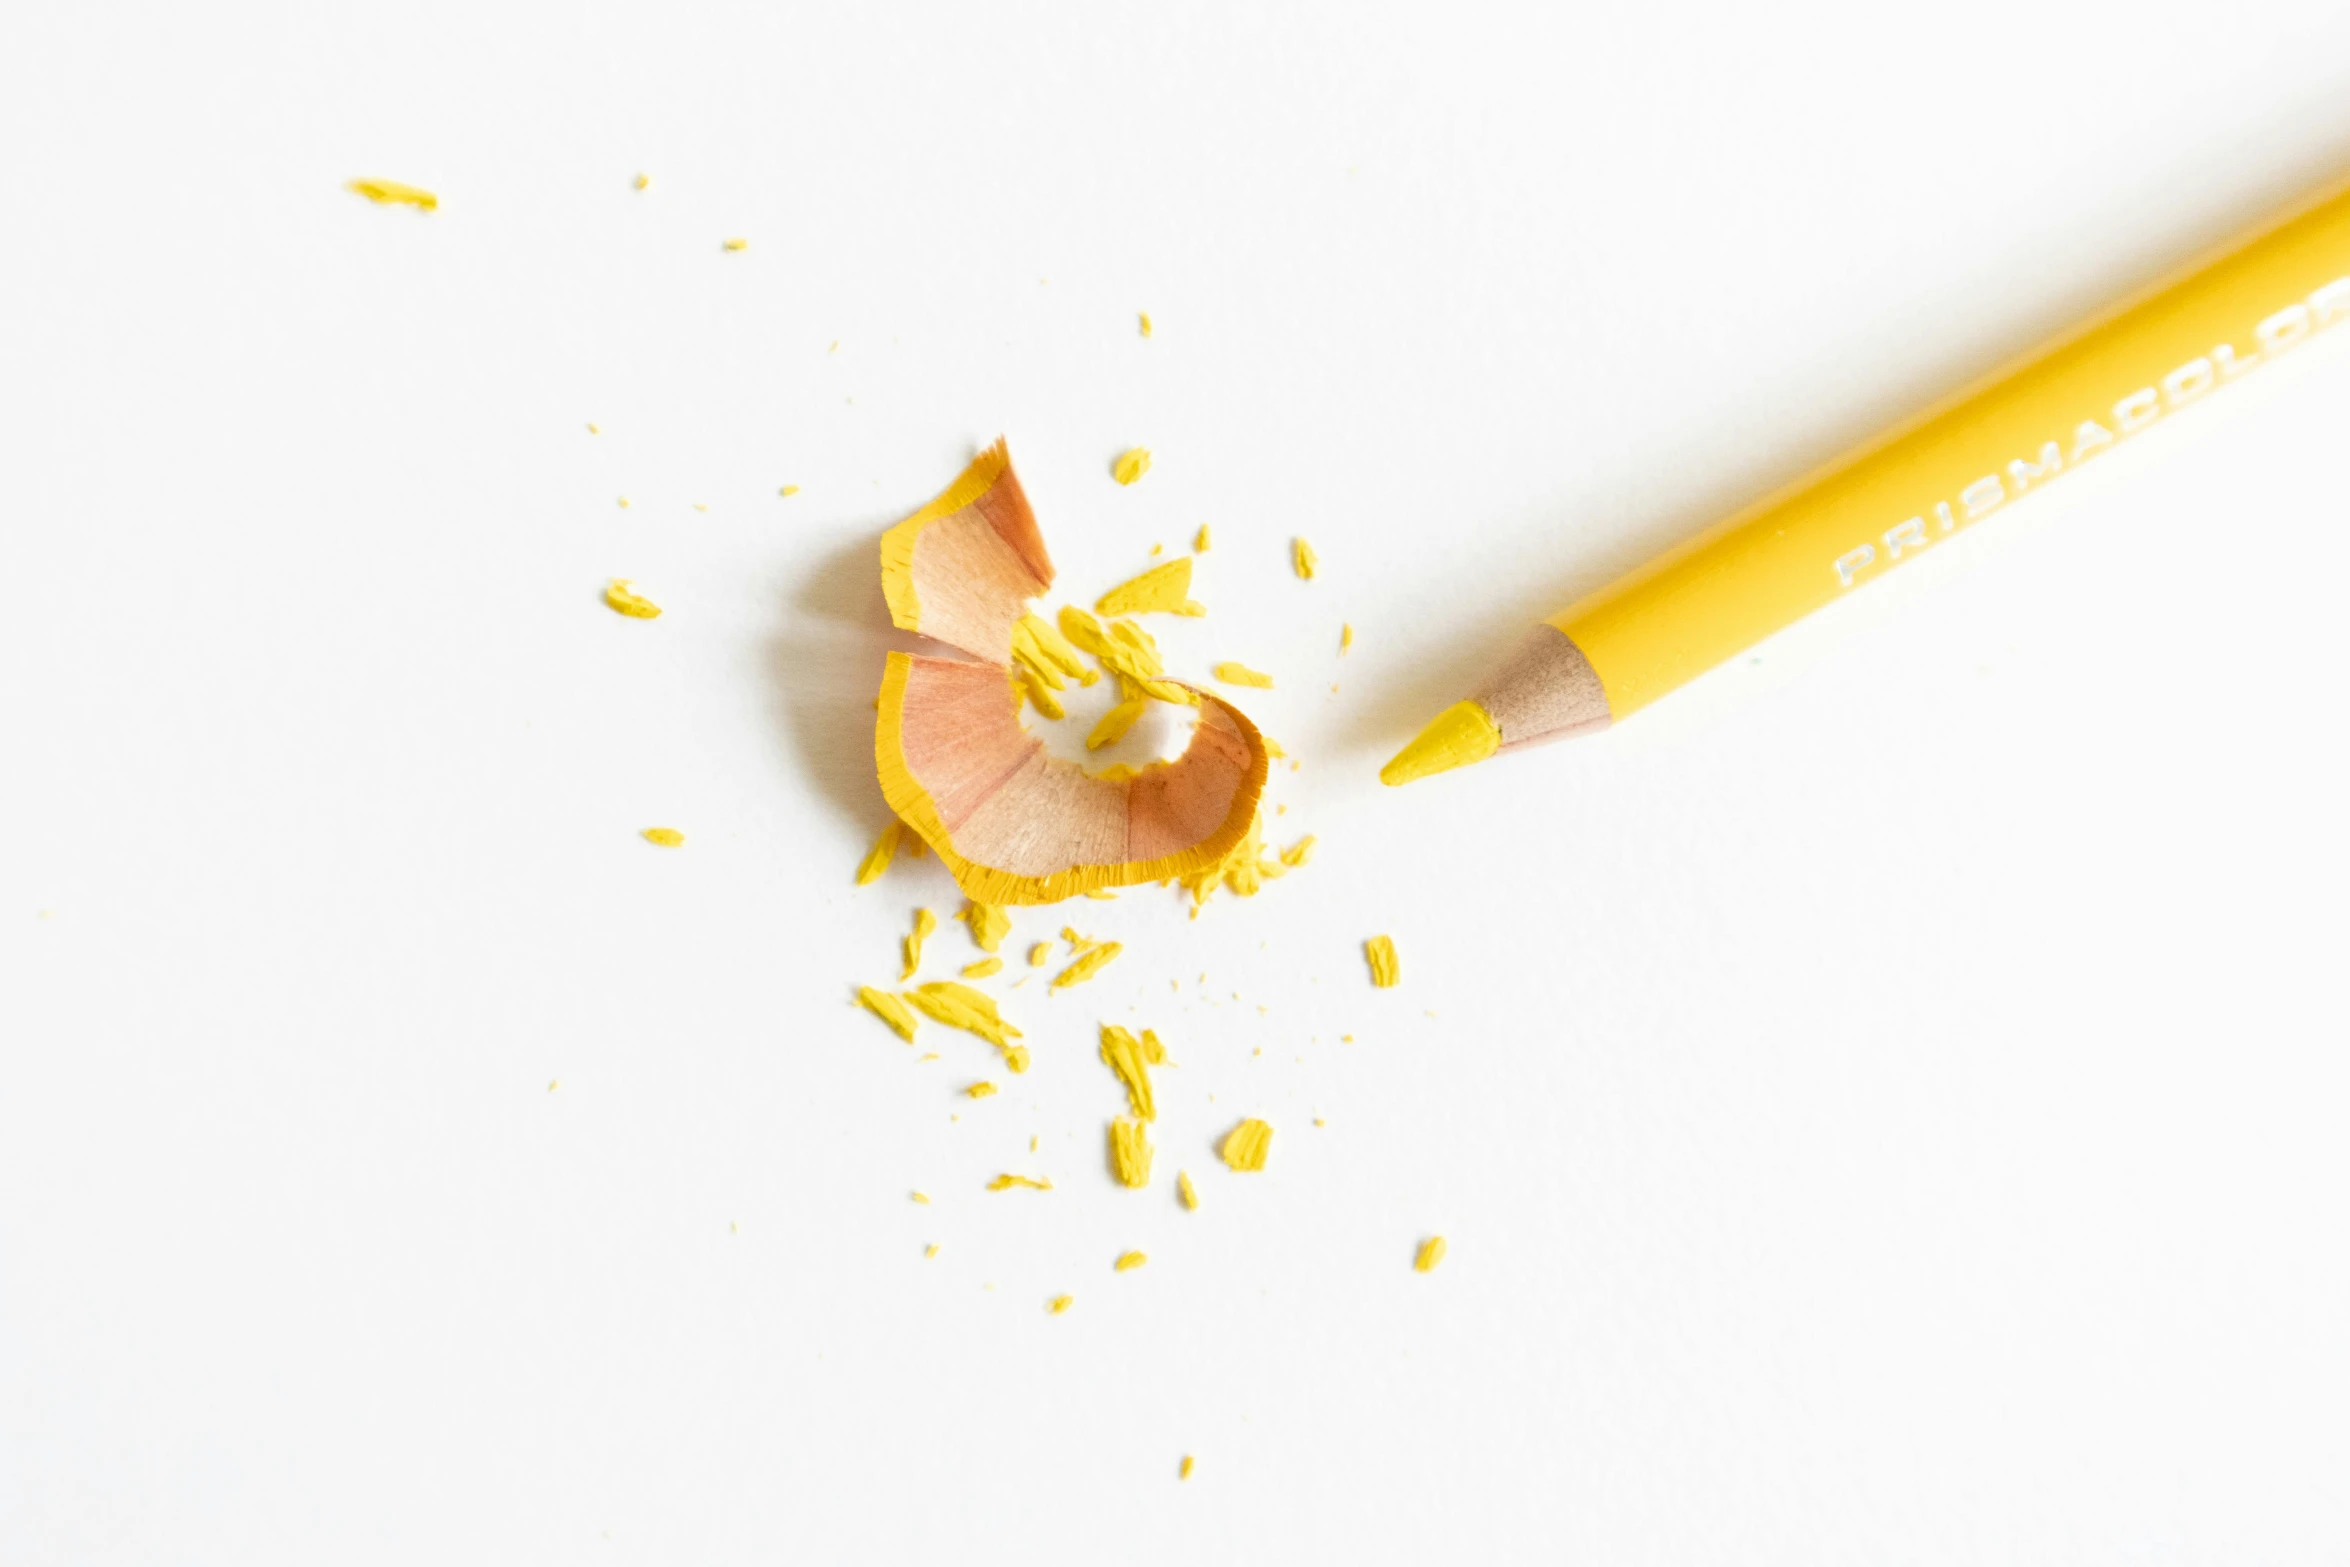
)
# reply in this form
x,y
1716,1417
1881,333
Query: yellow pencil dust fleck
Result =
x,y
1131,1059
554,1083
1185,1190
983,969
1431,1253
391,193
1346,636
924,923
890,1009
788,491
1087,966
1040,954
1032,1141
1130,1151
634,606
1162,590
592,430
737,244
1157,550
980,1091
1145,317
1246,1145
1101,894
1385,968
1076,942
699,506
1244,872
989,925
666,837
923,1198
1132,466
835,348
1060,1303
885,849
927,1055
1299,852
1184,1473
1241,675
1302,556
1004,1183
624,503
644,182
959,1006
1201,540
930,1251
1129,1261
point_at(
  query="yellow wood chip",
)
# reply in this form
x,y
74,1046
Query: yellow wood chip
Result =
x,y
1114,724
1241,675
1201,542
1185,1190
634,606
1385,969
1087,966
924,923
1299,852
989,925
1130,1151
1132,466
1124,649
959,1006
1060,1303
1431,1253
1304,558
885,849
1004,1183
1184,1473
979,1091
1246,1145
1146,322
1131,1059
1346,636
1128,1262
666,837
737,244
983,968
890,1009
1162,590
391,193
1040,954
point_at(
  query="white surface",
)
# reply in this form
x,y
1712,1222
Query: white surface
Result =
x,y
1885,1105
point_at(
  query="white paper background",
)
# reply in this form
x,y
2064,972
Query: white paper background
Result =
x,y
1886,1104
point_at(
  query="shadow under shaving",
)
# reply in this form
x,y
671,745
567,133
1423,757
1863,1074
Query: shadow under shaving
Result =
x,y
824,671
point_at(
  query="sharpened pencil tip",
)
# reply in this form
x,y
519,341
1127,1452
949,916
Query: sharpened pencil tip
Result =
x,y
1461,734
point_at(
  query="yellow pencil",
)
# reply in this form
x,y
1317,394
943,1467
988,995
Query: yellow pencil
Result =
x,y
2007,437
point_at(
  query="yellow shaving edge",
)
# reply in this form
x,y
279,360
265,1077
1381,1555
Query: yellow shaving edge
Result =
x,y
1385,969
1162,590
1086,967
897,545
924,923
1130,1152
884,850
890,1009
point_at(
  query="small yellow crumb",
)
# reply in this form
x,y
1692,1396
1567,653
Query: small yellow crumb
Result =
x,y
1385,969
1318,1121
699,506
1128,1262
624,503
1040,954
835,348
980,1091
1346,636
633,605
923,1198
1114,724
1004,1183
789,490
1184,1473
1185,1190
890,1009
927,1055
666,837
1299,852
1246,1145
1346,1039
1060,1303
1087,966
989,925
592,430
1101,894
924,923
983,968
554,1083
1431,1253
736,244
1146,322
1132,466
884,850
391,193
1200,543
644,182
1032,1141
1130,1151
930,1250
1157,550
1303,557
1241,675
1162,590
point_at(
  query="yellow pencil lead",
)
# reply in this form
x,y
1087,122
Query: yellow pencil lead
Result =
x,y
1461,734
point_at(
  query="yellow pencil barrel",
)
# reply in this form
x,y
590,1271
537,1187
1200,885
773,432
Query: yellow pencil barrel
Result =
x,y
1978,452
